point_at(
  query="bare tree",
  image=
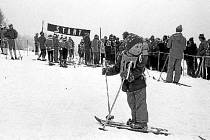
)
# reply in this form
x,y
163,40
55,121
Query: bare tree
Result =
x,y
1,17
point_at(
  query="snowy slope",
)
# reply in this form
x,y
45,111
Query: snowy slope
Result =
x,y
41,102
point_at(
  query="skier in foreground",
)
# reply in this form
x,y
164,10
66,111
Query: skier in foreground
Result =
x,y
135,85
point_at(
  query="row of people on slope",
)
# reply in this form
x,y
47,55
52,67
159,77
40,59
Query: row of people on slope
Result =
x,y
58,49
96,50
7,40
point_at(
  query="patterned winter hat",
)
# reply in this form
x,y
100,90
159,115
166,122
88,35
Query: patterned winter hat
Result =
x,y
132,40
179,28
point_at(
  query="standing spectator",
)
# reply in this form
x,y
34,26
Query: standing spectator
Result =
x,y
71,48
163,53
1,38
42,45
50,49
201,53
11,34
113,49
207,61
36,43
191,51
63,52
56,47
102,50
153,57
96,50
177,45
87,44
81,51
108,49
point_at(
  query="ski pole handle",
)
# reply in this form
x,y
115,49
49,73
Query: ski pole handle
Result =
x,y
129,69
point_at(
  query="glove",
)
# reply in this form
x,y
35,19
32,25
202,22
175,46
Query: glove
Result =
x,y
124,76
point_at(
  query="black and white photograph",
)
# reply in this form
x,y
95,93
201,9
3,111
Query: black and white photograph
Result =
x,y
104,70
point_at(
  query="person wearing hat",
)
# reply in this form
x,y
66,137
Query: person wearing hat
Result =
x,y
42,46
11,34
71,49
95,46
190,52
177,45
36,43
131,66
64,52
81,51
201,53
87,44
56,47
50,49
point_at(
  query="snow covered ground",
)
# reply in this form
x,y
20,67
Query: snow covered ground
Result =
x,y
41,102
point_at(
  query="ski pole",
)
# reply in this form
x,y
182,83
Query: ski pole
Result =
x,y
107,119
107,88
163,68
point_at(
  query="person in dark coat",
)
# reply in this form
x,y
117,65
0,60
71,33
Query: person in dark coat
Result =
x,y
190,52
207,61
81,51
87,44
201,53
177,45
11,34
163,54
36,43
42,46
133,79
108,49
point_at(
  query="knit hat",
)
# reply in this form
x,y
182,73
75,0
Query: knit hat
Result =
x,y
201,36
179,28
132,40
125,34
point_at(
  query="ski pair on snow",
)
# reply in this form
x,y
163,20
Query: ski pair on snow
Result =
x,y
120,125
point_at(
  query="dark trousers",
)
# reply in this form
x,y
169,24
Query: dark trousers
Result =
x,y
190,66
50,55
96,57
65,53
43,53
56,55
208,73
87,56
102,57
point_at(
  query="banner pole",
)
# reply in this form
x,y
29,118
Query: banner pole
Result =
x,y
100,33
42,24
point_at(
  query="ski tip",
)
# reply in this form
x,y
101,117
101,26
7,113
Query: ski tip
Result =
x,y
101,128
201,138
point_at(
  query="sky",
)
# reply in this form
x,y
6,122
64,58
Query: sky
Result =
x,y
143,17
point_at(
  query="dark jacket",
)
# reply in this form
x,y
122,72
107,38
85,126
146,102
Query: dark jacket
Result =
x,y
137,72
202,48
42,41
11,34
191,49
49,44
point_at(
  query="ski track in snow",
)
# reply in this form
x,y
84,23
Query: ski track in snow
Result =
x,y
41,102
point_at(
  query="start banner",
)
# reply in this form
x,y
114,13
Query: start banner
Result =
x,y
67,30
